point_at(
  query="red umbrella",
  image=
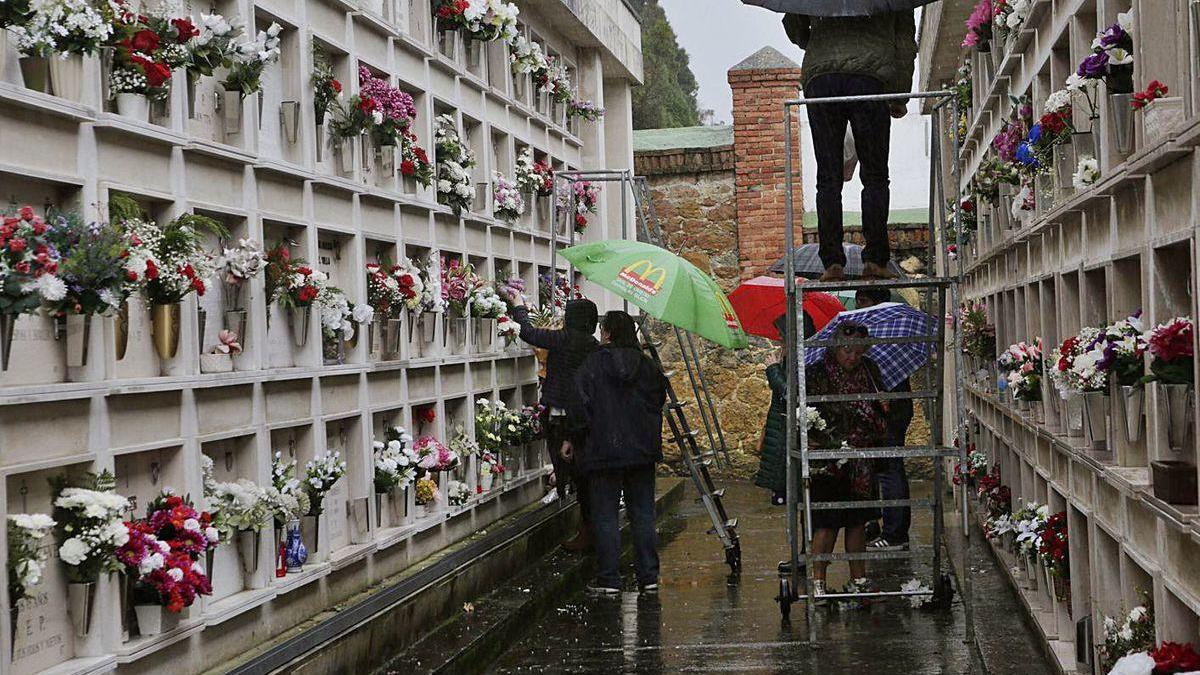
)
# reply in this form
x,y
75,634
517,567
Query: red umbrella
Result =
x,y
762,300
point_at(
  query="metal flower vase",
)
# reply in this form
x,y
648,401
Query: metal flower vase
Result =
x,y
66,77
81,600
247,548
1074,414
1064,166
1120,111
1179,414
1133,404
165,329
8,323
299,318
1095,413
392,332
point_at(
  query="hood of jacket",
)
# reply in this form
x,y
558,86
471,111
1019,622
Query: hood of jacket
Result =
x,y
581,315
622,363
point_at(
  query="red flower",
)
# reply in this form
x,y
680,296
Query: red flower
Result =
x,y
130,275
420,153
1171,342
427,414
22,267
185,28
17,245
157,74
367,105
307,294
336,86
151,270
198,284
145,41
407,167
1172,657
26,213
580,220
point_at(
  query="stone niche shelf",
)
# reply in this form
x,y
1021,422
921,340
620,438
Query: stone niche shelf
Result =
x,y
150,420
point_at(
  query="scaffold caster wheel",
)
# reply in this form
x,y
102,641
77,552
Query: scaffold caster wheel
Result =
x,y
733,558
785,598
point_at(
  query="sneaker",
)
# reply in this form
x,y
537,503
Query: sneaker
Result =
x,y
860,585
834,273
818,592
648,589
603,591
550,498
882,544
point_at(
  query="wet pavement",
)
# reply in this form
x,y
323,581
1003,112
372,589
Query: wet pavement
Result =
x,y
705,621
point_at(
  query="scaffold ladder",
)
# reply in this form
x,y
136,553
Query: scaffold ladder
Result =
x,y
697,460
796,576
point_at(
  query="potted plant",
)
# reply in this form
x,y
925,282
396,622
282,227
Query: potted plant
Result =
x,y
241,510
89,517
26,560
237,265
395,470
1160,113
458,493
458,284
320,475
507,203
486,307
425,494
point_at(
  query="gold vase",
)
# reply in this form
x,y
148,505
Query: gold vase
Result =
x,y
121,331
166,329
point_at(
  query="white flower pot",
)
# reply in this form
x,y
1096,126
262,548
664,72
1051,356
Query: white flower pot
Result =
x,y
1074,414
216,363
299,318
383,510
134,106
231,108
485,481
247,549
155,620
66,77
81,599
1160,118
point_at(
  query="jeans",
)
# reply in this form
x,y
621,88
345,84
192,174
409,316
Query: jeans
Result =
x,y
871,124
893,484
606,487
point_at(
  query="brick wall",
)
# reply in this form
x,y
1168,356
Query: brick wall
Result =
x,y
760,85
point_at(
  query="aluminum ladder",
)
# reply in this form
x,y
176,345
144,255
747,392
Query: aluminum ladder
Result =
x,y
796,580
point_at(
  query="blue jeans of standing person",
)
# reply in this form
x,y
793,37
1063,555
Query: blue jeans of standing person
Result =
x,y
605,488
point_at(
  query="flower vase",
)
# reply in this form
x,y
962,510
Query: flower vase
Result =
x,y
165,329
216,363
66,77
458,331
154,620
1159,118
1132,398
78,335
393,330
1179,414
231,108
1095,414
192,79
346,156
485,481
134,106
1074,414
81,600
472,50
1031,573
295,552
247,548
236,322
483,330
383,510
1064,166
311,530
408,184
1083,144
210,560
298,318
1120,110
35,72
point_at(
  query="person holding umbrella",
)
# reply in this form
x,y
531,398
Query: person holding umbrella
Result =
x,y
622,392
854,56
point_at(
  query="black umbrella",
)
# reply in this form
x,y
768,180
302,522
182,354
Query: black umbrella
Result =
x,y
808,262
838,7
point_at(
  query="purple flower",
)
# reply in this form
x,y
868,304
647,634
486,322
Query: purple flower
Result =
x,y
1094,67
1114,36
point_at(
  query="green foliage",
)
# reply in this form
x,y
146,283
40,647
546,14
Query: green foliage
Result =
x,y
122,207
667,99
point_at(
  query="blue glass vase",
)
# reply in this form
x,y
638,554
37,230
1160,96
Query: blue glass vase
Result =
x,y
296,552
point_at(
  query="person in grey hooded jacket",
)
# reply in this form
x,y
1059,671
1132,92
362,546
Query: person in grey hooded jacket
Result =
x,y
623,393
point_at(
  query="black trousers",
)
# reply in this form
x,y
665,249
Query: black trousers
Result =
x,y
637,484
566,472
872,126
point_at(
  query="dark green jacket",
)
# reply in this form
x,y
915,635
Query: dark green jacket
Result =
x,y
883,46
772,469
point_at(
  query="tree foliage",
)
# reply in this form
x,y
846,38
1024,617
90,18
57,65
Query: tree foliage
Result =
x,y
668,97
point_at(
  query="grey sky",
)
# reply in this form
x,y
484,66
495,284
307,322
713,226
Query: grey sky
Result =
x,y
717,34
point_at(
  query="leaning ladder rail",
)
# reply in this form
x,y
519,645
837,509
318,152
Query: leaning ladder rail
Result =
x,y
799,456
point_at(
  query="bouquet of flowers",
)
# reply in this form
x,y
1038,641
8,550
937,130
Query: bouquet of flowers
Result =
x,y
91,266
215,46
26,558
1111,59
529,428
240,506
1123,349
489,464
975,467
585,109
176,521
162,575
1052,546
459,283
143,553
554,80
247,64
28,264
239,264
395,108
451,13
533,177
457,493
1087,172
508,329
426,491
554,291
1132,634
1008,15
1088,369
1030,521
1153,91
496,427
484,20
290,281
353,117
339,316
998,498
998,526
486,303
462,444
384,293
508,203
527,57
61,27
287,498
454,159
320,475
414,161
89,526
978,334
178,264
433,455
430,275
143,59
581,197
1170,658
1023,364
327,91
979,26
395,460
1171,351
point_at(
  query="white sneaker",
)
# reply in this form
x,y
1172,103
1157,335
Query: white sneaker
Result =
x,y
550,498
818,591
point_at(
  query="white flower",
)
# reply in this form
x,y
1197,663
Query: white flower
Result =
x,y
51,287
210,533
152,562
1140,663
1119,57
192,525
1058,100
1125,21
363,313
1075,82
1087,173
175,573
74,551
1137,614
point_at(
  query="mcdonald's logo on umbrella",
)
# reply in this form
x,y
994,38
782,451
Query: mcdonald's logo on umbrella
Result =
x,y
644,276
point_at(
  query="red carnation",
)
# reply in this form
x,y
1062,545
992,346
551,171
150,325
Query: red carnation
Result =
x,y
367,104
421,155
307,294
580,220
26,213
304,271
427,414
407,167
336,86
145,41
130,275
17,245
198,284
157,74
185,28
22,267
151,270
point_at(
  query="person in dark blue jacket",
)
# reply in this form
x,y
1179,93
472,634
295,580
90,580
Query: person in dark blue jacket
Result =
x,y
623,393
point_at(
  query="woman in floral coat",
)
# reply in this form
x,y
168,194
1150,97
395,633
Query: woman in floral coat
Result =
x,y
858,424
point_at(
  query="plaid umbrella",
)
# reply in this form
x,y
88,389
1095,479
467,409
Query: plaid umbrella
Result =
x,y
809,265
887,320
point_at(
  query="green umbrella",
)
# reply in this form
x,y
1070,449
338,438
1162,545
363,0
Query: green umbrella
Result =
x,y
663,285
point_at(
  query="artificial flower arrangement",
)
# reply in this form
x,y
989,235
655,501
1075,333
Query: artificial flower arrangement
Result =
x,y
327,90
237,506
1082,365
483,20
177,264
227,343
91,266
978,334
340,318
246,65
393,111
1171,351
496,426
28,263
89,525
1087,172
433,455
454,159
237,265
584,109
290,281
216,45
996,496
973,468
490,464
414,161
1154,91
1111,59
462,444
426,491
979,27
554,81
529,428
526,57
427,414
507,201
287,497
1021,365
62,27
321,473
554,290
581,196
1131,634
458,493
352,118
1029,522
390,288
532,176
991,175
486,303
1009,15
26,555
429,272
147,49
459,282
451,13
508,329
395,460
1123,350
1053,546
1167,658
